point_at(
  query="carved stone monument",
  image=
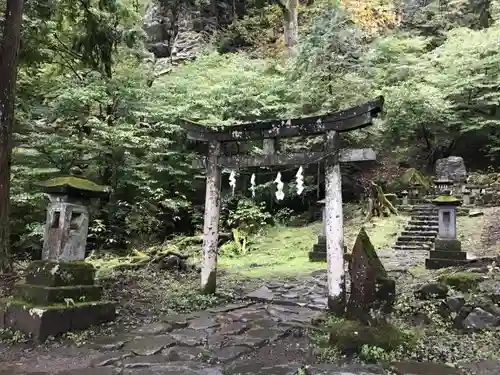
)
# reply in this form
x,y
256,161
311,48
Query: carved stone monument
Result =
x,y
59,294
451,168
372,292
447,249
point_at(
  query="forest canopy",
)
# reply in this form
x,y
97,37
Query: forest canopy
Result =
x,y
94,99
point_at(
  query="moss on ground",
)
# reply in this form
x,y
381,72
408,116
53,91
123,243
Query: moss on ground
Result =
x,y
283,251
462,281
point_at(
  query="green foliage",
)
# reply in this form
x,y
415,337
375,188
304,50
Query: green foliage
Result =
x,y
374,354
249,217
88,103
462,281
377,340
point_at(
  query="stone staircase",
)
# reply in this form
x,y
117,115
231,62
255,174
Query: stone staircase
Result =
x,y
421,231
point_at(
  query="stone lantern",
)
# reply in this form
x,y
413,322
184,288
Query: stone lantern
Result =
x,y
59,294
415,190
447,249
404,195
67,223
443,185
466,197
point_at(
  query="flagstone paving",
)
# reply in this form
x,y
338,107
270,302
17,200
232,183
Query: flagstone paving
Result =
x,y
264,336
221,340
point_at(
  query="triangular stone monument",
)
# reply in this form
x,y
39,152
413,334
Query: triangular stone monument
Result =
x,y
371,289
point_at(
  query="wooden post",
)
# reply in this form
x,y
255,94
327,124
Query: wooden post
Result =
x,y
334,224
211,220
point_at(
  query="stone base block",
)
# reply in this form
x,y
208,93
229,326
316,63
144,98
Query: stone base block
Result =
x,y
442,244
55,274
457,255
45,295
317,256
43,321
434,264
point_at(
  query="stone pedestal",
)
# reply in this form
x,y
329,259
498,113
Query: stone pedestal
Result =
x,y
59,294
447,250
56,297
318,253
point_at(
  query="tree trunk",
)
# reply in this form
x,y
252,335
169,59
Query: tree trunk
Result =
x,y
8,73
291,27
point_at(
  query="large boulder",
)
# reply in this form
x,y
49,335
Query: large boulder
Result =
x,y
177,36
451,168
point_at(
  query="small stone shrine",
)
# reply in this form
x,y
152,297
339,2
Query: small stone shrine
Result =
x,y
318,253
371,289
59,294
447,249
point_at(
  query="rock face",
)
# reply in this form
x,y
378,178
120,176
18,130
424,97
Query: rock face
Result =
x,y
451,168
177,34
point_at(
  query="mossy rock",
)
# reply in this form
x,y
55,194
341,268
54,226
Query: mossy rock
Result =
x,y
41,322
55,274
349,336
44,295
462,281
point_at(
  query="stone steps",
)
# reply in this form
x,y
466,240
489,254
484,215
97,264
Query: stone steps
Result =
x,y
415,238
424,217
421,230
423,222
414,233
412,247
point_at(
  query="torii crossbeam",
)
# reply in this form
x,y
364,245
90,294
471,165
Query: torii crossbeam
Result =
x,y
331,125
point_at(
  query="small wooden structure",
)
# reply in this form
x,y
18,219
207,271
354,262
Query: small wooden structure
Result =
x,y
329,125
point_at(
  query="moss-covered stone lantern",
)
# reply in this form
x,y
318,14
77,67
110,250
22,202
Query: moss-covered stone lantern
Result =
x,y
59,294
447,249
67,223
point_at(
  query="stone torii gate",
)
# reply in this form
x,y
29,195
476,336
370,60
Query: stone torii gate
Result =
x,y
329,125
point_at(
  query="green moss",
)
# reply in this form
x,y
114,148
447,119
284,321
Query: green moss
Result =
x,y
10,301
447,200
462,281
54,274
350,336
75,183
43,295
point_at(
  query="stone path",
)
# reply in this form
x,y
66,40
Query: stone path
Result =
x,y
263,337
223,340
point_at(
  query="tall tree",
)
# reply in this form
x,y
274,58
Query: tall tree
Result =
x,y
8,74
